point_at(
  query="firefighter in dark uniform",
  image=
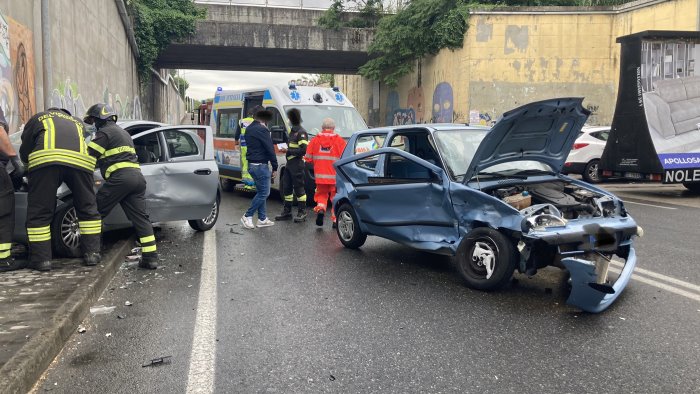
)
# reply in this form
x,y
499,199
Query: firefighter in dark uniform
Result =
x,y
7,195
293,176
124,183
53,143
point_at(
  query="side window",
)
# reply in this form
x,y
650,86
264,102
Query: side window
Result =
x,y
368,143
182,144
227,122
148,149
400,142
398,167
277,119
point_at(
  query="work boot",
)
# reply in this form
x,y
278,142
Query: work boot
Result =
x,y
10,264
91,259
286,213
149,261
40,265
301,215
319,217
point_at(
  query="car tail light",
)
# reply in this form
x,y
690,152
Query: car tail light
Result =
x,y
607,173
580,145
567,164
655,177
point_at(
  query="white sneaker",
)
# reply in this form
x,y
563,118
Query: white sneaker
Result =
x,y
265,223
247,222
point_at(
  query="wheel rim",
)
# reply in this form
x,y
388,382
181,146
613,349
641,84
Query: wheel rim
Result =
x,y
70,229
482,258
346,226
212,215
593,171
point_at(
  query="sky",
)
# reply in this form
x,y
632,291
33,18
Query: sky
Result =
x,y
203,84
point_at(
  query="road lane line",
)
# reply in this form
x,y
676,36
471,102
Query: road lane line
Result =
x,y
661,285
203,357
653,274
648,205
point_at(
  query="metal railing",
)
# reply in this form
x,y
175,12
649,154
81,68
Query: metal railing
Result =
x,y
302,4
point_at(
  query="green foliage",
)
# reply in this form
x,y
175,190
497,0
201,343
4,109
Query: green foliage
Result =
x,y
352,13
320,79
182,85
157,23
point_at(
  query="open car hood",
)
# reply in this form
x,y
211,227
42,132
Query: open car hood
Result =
x,y
543,131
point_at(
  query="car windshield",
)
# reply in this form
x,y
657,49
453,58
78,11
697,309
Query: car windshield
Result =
x,y
347,119
459,146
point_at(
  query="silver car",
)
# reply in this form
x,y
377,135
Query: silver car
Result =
x,y
182,184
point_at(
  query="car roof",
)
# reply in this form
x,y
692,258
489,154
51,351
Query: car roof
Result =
x,y
592,129
124,123
429,126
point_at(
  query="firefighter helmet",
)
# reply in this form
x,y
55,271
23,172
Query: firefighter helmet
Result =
x,y
100,111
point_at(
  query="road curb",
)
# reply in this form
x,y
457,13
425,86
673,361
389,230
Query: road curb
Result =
x,y
22,371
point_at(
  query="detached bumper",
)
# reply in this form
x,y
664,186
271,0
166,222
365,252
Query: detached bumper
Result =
x,y
583,276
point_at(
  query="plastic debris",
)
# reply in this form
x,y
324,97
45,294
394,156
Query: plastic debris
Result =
x,y
121,316
101,310
157,361
81,329
128,303
331,378
109,334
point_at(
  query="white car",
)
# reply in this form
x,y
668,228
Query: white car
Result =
x,y
584,158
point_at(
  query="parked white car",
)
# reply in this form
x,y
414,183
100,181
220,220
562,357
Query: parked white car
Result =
x,y
584,158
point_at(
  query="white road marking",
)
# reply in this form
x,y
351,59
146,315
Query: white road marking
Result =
x,y
660,276
661,285
203,357
648,205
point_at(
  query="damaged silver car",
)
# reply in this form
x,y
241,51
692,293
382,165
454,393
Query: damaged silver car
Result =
x,y
494,198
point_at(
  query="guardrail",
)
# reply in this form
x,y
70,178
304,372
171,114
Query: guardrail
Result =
x,y
301,4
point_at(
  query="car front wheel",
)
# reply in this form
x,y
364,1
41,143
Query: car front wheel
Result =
x,y
348,228
208,222
590,173
65,232
486,259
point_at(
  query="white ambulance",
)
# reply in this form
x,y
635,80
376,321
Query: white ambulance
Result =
x,y
315,104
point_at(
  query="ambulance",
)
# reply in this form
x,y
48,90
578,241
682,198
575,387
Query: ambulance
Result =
x,y
315,104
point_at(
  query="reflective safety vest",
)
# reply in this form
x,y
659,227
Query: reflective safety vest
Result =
x,y
245,122
323,150
114,149
55,138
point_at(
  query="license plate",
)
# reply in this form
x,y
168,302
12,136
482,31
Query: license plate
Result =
x,y
633,175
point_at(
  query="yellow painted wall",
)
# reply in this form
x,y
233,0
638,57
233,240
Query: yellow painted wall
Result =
x,y
514,58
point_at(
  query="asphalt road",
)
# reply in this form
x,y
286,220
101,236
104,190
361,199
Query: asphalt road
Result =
x,y
288,309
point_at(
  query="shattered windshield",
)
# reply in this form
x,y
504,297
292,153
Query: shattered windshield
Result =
x,y
347,119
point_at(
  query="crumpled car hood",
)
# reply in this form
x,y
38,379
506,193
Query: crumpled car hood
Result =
x,y
542,131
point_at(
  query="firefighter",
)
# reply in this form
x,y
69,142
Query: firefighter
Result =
x,y
293,176
124,183
7,195
323,150
53,143
248,183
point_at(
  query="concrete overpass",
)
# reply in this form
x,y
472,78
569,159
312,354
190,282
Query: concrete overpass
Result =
x,y
250,38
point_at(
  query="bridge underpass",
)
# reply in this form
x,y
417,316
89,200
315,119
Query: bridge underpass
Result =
x,y
250,38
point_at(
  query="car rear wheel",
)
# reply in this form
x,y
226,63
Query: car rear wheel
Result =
x,y
210,221
348,228
486,259
65,232
590,173
227,185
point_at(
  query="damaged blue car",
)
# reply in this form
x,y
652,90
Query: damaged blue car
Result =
x,y
493,198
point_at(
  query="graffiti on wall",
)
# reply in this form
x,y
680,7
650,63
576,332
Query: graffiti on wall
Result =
x,y
67,95
443,101
16,72
416,103
479,118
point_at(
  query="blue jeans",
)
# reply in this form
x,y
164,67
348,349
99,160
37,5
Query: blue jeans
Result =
x,y
261,175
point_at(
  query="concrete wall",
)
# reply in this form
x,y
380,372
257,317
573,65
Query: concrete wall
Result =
x,y
92,60
514,56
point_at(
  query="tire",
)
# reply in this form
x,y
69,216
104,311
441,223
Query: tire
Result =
x,y
65,232
694,187
227,185
210,221
591,172
348,228
480,243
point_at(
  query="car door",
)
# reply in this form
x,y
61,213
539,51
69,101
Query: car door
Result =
x,y
406,199
181,174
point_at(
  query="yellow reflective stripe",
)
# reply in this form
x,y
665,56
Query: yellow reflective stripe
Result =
x,y
38,230
39,238
5,246
90,223
90,231
150,238
118,150
302,198
289,197
293,145
118,166
65,152
90,227
61,155
61,159
5,254
47,134
81,138
303,142
99,149
148,249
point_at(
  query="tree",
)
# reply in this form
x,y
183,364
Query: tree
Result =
x,y
182,85
157,23
319,79
352,13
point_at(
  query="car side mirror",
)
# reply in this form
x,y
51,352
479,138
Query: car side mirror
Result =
x,y
277,133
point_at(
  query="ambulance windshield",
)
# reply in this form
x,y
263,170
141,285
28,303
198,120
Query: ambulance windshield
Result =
x,y
347,119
